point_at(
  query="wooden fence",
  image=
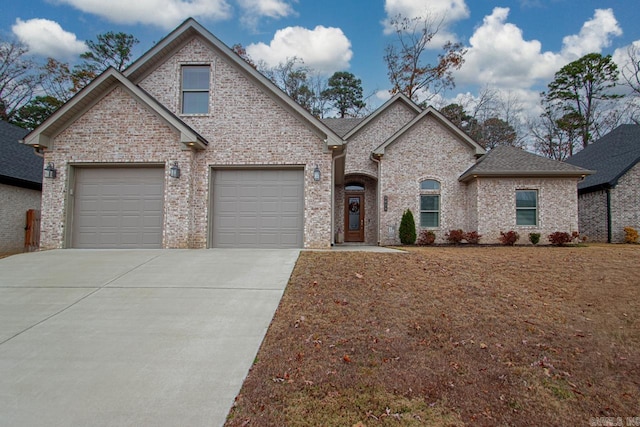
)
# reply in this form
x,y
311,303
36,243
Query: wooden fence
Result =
x,y
32,231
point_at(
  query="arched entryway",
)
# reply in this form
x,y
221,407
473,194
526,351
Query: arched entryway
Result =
x,y
356,210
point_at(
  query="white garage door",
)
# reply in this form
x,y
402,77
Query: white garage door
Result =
x,y
258,208
118,208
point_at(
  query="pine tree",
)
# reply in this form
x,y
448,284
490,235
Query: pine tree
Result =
x,y
407,228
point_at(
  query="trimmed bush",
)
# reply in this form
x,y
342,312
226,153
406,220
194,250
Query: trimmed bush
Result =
x,y
534,238
560,238
426,238
407,228
630,235
472,237
509,238
455,236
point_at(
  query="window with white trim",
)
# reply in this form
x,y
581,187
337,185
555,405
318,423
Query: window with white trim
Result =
x,y
526,207
195,89
430,203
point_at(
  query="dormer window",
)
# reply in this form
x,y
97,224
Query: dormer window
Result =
x,y
195,89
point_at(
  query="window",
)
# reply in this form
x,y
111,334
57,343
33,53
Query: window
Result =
x,y
429,203
526,207
354,186
195,89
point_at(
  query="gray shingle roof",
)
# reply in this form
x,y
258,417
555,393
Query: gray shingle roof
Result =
x,y
611,157
505,161
19,164
342,126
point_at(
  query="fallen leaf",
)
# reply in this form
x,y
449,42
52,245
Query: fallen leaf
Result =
x,y
359,276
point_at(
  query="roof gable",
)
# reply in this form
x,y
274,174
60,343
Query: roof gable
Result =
x,y
397,98
190,29
507,161
431,112
611,157
19,164
95,91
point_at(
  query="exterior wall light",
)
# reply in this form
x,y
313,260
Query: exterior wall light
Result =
x,y
316,174
50,171
174,171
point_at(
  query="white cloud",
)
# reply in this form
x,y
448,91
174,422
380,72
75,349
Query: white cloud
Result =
x,y
442,12
164,13
594,35
323,49
47,38
253,10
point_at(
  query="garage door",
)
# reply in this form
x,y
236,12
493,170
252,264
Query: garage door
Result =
x,y
258,208
118,208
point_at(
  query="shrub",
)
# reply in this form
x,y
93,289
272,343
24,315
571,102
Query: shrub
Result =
x,y
560,238
427,237
534,238
509,238
455,236
407,228
472,237
630,235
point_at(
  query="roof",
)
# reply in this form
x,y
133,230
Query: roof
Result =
x,y
507,161
191,28
611,157
432,112
341,126
91,94
399,97
19,164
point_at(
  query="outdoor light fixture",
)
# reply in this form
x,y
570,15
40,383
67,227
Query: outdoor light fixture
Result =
x,y
174,171
50,171
316,174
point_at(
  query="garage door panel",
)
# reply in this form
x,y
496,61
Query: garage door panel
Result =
x,y
118,208
249,207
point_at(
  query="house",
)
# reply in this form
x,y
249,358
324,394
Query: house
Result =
x,y
20,186
609,200
191,147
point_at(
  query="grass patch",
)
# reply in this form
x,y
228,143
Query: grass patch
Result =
x,y
451,336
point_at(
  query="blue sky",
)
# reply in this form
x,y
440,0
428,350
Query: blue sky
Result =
x,y
513,46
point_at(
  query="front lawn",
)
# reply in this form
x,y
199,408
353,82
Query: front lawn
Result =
x,y
452,336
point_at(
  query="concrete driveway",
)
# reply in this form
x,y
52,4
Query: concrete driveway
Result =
x,y
132,337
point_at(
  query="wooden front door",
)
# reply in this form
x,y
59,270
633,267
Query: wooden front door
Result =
x,y
354,218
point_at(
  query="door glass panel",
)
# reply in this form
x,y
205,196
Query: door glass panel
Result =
x,y
354,213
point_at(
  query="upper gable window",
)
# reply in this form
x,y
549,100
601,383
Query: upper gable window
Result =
x,y
195,89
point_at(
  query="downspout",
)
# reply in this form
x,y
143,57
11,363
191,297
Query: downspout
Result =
x,y
608,191
378,193
333,196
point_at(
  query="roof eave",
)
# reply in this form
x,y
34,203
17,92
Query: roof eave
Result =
x,y
471,175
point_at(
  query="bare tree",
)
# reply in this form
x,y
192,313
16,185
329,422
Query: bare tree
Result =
x,y
631,69
406,67
18,80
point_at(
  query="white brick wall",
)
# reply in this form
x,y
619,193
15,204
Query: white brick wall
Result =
x,y
592,215
625,204
14,204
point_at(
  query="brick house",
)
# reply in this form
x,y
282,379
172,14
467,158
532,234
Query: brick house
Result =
x,y
609,200
20,186
191,147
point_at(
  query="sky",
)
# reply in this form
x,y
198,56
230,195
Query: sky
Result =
x,y
513,46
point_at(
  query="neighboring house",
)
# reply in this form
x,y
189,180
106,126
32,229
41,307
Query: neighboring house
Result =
x,y
191,147
20,186
609,200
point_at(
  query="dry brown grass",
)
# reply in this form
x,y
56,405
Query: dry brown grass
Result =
x,y
451,336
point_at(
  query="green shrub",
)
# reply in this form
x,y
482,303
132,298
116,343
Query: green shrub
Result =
x,y
630,235
455,236
534,238
509,238
407,228
472,237
426,238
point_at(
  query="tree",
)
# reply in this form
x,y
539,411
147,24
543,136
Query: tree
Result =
x,y
555,135
630,71
18,81
495,132
36,111
109,50
240,50
407,228
407,71
579,89
345,93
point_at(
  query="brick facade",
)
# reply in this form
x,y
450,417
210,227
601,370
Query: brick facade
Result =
x,y
592,214
14,204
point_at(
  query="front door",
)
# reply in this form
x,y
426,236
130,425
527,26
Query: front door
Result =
x,y
354,218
